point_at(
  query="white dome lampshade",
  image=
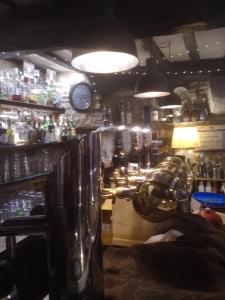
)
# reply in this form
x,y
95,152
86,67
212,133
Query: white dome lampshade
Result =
x,y
107,47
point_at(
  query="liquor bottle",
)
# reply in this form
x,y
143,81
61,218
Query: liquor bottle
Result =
x,y
44,126
105,116
3,135
51,129
214,187
214,173
128,114
119,158
202,166
69,130
64,133
40,133
134,155
73,130
145,153
10,133
31,132
16,87
218,170
201,187
122,114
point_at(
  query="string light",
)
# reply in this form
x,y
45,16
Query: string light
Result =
x,y
218,70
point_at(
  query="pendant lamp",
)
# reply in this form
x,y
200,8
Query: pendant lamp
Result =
x,y
170,102
153,84
107,47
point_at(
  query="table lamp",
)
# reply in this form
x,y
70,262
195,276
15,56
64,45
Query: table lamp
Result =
x,y
185,139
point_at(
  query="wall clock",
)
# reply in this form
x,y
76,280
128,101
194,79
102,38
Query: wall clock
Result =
x,y
81,97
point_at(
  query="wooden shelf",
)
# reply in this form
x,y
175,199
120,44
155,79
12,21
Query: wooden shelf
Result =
x,y
32,146
25,179
208,150
31,105
196,123
208,179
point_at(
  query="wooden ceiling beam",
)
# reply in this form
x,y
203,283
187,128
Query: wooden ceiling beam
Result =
x,y
191,45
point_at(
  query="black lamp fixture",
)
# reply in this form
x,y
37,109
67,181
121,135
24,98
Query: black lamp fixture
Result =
x,y
107,47
170,102
151,85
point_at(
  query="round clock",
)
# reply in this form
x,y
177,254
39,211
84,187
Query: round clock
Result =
x,y
80,96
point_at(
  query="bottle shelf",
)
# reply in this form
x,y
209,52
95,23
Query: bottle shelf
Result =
x,y
31,105
7,148
209,179
24,179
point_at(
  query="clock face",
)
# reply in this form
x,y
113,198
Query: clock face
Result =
x,y
81,96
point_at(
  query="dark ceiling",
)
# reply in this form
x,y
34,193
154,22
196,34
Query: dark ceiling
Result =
x,y
36,24
49,25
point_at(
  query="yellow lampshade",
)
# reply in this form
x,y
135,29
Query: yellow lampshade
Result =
x,y
185,137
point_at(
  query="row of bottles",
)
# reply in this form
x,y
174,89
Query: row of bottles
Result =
x,y
31,129
140,151
15,86
211,187
210,169
195,108
123,113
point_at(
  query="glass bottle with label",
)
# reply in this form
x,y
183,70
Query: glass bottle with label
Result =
x,y
10,133
128,114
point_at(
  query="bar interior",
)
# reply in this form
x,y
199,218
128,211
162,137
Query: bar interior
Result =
x,y
112,139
